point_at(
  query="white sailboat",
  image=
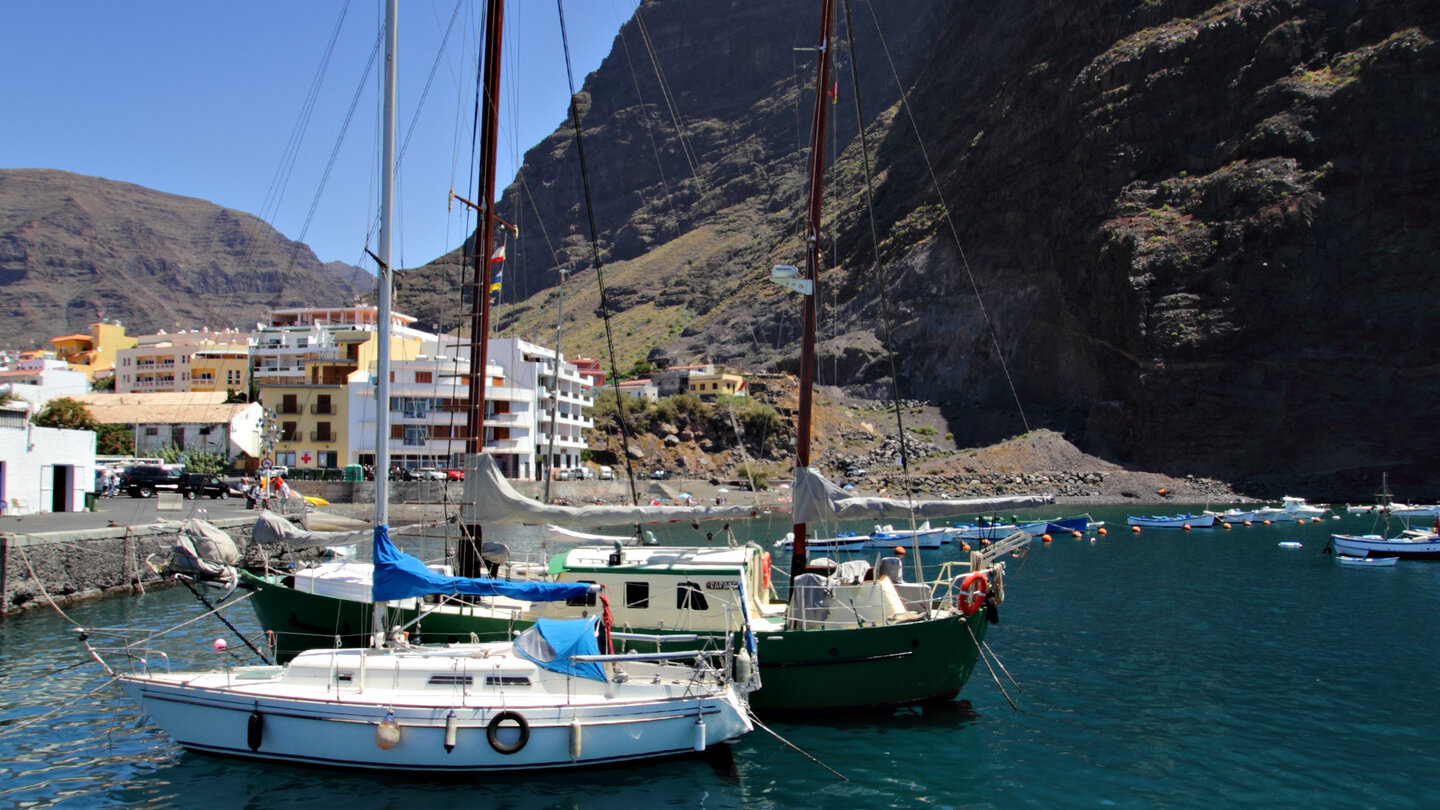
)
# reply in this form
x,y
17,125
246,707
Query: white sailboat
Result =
x,y
549,699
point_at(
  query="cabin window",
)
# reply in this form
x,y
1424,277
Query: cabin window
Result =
x,y
588,600
451,679
688,596
637,594
506,680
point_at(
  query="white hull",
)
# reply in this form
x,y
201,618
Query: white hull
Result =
x,y
1366,562
321,721
1420,546
1171,521
931,539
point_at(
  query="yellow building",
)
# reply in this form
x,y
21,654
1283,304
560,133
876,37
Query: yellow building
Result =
x,y
721,384
185,361
93,353
302,363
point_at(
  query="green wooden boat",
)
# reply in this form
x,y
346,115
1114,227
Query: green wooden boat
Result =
x,y
868,643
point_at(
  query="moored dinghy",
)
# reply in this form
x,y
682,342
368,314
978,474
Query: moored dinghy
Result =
x,y
1366,562
1182,521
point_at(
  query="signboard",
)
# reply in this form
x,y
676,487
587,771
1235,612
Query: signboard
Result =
x,y
266,463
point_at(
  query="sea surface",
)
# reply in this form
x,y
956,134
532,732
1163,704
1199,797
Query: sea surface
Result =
x,y
1170,668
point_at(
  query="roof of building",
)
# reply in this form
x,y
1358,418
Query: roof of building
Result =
x,y
167,408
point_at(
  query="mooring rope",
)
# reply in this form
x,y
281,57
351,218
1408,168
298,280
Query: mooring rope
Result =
x,y
801,751
979,649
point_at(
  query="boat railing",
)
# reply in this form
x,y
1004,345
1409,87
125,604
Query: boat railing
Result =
x,y
120,646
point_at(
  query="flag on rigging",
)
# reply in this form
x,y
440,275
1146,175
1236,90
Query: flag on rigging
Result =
x,y
835,91
497,258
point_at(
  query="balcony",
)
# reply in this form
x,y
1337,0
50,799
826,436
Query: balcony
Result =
x,y
322,436
323,408
288,408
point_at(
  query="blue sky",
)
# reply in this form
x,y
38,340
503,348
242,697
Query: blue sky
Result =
x,y
201,98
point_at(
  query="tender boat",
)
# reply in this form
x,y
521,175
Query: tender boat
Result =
x,y
1411,544
922,537
1366,562
1182,521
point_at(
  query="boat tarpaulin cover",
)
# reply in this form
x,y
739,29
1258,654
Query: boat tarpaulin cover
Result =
x,y
401,576
817,500
495,501
551,643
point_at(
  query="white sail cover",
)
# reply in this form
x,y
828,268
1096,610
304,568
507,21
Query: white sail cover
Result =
x,y
271,528
495,502
817,500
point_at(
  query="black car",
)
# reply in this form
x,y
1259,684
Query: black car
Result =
x,y
193,485
144,480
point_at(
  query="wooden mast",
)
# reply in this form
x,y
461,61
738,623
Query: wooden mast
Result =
x,y
812,264
468,563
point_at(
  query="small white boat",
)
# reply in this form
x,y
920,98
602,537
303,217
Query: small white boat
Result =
x,y
840,542
1183,521
1234,516
1411,544
982,531
1291,509
1366,562
923,537
1412,512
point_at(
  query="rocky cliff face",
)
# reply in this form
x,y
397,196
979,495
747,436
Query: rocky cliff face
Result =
x,y
1199,234
75,250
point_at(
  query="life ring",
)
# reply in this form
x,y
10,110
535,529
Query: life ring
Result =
x,y
969,601
765,570
492,732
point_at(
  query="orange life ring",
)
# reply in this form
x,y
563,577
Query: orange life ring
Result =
x,y
765,570
969,601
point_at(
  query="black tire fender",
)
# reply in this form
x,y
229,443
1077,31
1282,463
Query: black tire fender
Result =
x,y
492,732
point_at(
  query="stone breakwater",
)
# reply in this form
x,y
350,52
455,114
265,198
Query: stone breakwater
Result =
x,y
67,566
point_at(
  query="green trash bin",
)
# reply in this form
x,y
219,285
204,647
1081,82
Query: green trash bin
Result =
x,y
91,502
354,472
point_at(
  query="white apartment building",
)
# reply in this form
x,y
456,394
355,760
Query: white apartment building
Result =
x,y
38,380
549,433
184,361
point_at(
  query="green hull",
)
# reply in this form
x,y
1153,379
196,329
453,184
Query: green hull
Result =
x,y
303,621
867,667
800,670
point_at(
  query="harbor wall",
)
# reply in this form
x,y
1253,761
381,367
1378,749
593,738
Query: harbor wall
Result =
x,y
70,566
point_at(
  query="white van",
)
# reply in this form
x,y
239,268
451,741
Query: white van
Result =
x,y
607,474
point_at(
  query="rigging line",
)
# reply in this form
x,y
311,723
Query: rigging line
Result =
x,y
595,250
668,95
650,133
949,221
999,663
330,165
270,206
206,602
886,315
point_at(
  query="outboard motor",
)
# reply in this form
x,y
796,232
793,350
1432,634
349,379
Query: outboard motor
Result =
x,y
891,567
494,554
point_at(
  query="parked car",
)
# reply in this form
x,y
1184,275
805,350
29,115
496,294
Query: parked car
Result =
x,y
607,474
429,474
401,474
582,474
855,472
455,475
561,475
660,475
144,480
194,485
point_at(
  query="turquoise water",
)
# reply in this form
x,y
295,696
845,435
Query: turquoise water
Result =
x,y
1208,668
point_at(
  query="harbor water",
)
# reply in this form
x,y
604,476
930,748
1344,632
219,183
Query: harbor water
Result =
x,y
1169,668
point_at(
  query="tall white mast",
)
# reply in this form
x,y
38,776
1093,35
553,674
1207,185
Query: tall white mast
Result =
x,y
382,316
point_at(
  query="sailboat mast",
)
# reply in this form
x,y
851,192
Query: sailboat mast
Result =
x,y
812,264
385,278
385,282
485,229
468,562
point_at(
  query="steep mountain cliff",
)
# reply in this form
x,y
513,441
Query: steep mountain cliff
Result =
x,y
1198,233
75,250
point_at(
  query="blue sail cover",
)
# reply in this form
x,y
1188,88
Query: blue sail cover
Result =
x,y
551,642
401,576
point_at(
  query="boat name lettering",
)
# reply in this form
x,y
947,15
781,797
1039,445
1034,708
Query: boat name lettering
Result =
x,y
722,585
